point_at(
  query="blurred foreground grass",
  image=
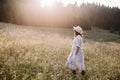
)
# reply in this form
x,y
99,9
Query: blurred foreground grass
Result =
x,y
33,53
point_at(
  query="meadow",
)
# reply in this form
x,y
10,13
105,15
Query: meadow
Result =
x,y
40,53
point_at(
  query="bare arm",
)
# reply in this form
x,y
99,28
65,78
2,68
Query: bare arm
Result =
x,y
77,50
78,44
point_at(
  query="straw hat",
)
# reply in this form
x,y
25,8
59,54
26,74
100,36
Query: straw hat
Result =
x,y
78,29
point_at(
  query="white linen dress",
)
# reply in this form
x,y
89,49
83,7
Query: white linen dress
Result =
x,y
76,61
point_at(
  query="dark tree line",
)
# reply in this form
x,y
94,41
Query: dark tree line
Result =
x,y
25,13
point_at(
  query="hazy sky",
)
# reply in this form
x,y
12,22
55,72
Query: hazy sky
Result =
x,y
105,2
112,3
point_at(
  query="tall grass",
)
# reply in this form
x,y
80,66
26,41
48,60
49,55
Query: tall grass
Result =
x,y
28,53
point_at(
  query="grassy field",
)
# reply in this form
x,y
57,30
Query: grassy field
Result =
x,y
33,53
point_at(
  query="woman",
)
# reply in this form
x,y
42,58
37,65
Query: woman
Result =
x,y
76,58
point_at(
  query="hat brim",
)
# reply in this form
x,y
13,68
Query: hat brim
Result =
x,y
74,28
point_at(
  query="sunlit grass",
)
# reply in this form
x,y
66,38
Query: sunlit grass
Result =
x,y
28,53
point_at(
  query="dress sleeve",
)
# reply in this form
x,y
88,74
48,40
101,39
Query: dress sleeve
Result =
x,y
78,41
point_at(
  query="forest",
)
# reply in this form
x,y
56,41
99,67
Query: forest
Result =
x,y
25,12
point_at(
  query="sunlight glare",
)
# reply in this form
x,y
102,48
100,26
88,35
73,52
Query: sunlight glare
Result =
x,y
47,3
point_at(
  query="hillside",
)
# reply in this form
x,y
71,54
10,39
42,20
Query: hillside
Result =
x,y
39,53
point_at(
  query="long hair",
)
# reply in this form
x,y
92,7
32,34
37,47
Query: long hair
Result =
x,y
76,33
